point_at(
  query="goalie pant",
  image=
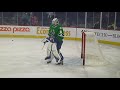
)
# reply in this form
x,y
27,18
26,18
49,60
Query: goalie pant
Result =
x,y
53,51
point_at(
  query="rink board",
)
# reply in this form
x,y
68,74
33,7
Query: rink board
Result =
x,y
103,36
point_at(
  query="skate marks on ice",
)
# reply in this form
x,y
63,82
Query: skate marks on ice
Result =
x,y
24,58
111,54
118,74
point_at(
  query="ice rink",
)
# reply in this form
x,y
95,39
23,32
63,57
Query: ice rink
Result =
x,y
24,58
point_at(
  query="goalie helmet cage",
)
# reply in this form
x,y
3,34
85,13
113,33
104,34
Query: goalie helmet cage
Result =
x,y
90,50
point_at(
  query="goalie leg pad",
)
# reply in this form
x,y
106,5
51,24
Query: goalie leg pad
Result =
x,y
50,60
61,56
49,53
55,52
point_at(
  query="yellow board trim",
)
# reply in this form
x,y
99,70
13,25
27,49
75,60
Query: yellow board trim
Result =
x,y
21,36
66,38
109,42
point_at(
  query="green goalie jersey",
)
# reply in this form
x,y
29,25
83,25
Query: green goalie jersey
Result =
x,y
56,31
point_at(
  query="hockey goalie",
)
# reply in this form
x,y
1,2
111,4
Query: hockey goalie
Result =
x,y
55,40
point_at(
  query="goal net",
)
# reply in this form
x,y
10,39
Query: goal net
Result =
x,y
90,50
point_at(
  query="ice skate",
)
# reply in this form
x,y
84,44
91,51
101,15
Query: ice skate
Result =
x,y
48,57
59,63
49,61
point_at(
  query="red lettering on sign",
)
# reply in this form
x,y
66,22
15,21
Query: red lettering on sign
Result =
x,y
8,29
21,29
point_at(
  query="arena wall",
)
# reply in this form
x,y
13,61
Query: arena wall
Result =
x,y
103,36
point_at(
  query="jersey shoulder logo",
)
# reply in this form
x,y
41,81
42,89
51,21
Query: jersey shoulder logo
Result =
x,y
61,28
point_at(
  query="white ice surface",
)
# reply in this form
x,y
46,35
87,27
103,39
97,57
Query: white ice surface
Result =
x,y
24,58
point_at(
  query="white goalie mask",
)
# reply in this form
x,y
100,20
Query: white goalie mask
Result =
x,y
55,21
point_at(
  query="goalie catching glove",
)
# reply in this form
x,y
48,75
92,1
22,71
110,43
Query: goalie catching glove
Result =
x,y
49,39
